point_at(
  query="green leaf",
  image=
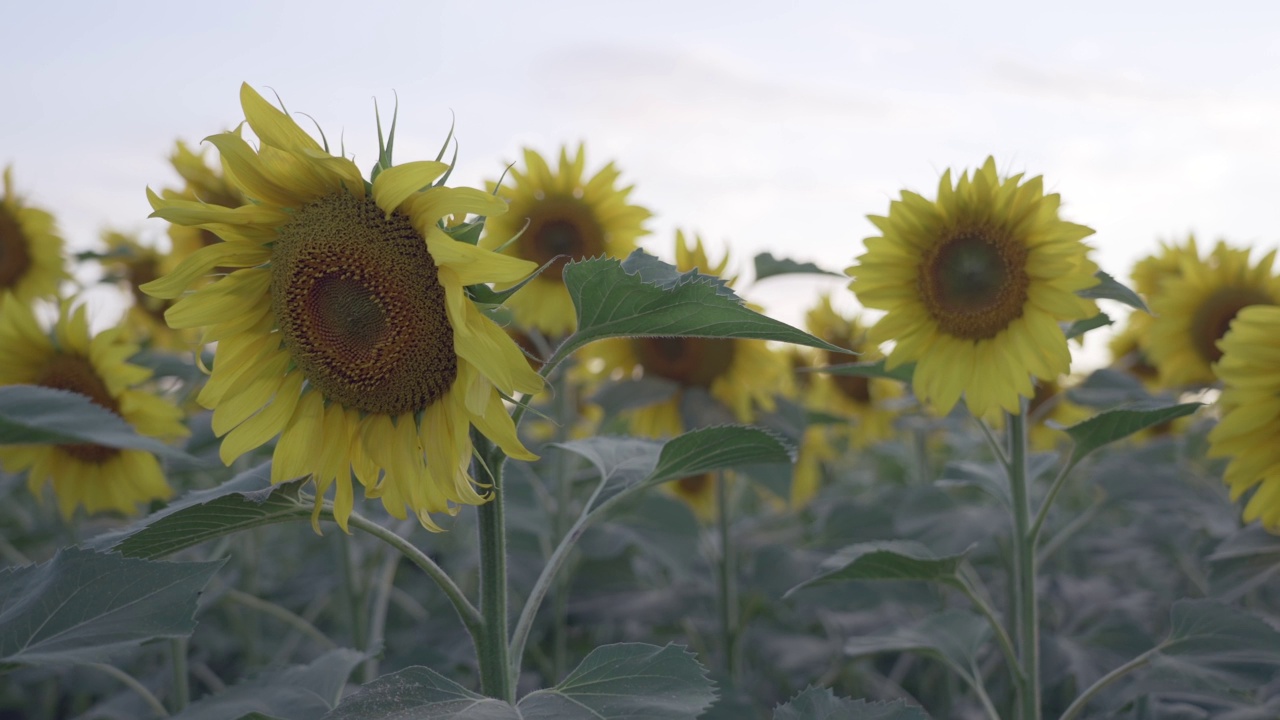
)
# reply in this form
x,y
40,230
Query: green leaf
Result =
x,y
1205,627
1080,327
954,637
991,478
626,681
1106,388
301,692
768,266
887,560
822,704
876,369
1120,423
1248,559
419,693
645,297
246,501
616,397
83,606
1108,288
34,415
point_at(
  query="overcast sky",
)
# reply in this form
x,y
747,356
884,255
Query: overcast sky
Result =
x,y
764,126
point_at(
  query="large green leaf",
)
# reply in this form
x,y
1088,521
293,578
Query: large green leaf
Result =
x,y
953,636
419,693
822,704
887,560
626,681
645,297
301,692
876,369
1108,288
768,266
83,606
34,415
1205,627
246,501
1119,423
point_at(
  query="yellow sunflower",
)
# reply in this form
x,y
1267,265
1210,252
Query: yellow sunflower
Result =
x,y
745,375
1150,273
1127,351
815,449
1250,403
30,249
561,214
133,265
976,283
202,183
99,478
1193,311
871,404
346,328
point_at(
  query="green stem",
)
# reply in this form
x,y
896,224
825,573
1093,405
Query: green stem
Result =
x,y
134,685
384,581
1054,488
351,595
495,660
1026,616
1079,703
280,613
466,611
181,680
1002,636
724,563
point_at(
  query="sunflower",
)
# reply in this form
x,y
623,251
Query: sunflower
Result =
x,y
206,185
1126,348
871,404
975,284
345,326
133,265
561,214
97,477
1250,404
1150,273
1193,311
30,249
744,375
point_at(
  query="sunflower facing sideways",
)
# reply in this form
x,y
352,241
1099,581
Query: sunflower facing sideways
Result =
x,y
566,215
975,284
345,327
97,477
1194,309
30,248
1250,403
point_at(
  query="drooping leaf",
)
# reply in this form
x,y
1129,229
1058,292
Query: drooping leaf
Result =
x,y
34,415
246,501
1080,327
953,636
301,692
626,681
822,704
876,369
887,560
83,606
768,266
1119,423
419,693
1108,288
645,297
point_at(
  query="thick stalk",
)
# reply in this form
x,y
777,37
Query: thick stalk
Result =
x,y
181,680
1026,615
728,599
495,675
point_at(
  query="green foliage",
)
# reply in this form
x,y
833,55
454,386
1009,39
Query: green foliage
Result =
x,y
301,692
1108,288
887,560
875,369
822,704
1080,327
1119,423
33,415
768,266
83,606
645,297
419,692
954,637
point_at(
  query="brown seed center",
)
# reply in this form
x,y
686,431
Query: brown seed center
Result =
x,y
693,487
15,257
1213,318
690,361
561,226
358,300
76,374
974,282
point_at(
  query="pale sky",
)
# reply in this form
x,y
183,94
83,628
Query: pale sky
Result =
x,y
761,125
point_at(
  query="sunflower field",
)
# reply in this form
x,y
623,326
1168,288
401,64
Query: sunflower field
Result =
x,y
367,444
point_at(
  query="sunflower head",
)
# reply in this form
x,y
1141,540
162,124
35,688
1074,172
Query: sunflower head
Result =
x,y
1127,349
97,477
31,263
561,215
975,284
132,265
1150,273
343,320
204,184
1194,310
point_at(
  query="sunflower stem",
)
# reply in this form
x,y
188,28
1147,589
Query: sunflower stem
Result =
x,y
181,680
564,416
494,653
724,562
1026,616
